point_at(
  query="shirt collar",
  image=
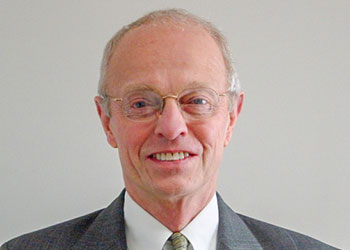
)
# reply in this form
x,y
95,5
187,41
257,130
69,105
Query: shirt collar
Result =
x,y
142,229
202,230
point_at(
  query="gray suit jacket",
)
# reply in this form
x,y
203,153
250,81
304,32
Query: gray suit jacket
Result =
x,y
104,229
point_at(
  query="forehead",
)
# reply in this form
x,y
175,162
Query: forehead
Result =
x,y
166,56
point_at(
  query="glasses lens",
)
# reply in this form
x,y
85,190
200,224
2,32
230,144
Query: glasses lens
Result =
x,y
141,104
199,102
195,103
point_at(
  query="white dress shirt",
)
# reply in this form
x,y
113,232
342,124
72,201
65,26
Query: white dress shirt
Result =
x,y
143,231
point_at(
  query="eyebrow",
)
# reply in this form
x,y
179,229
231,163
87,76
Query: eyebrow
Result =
x,y
149,86
134,87
197,84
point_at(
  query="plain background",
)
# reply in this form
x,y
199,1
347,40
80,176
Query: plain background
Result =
x,y
287,164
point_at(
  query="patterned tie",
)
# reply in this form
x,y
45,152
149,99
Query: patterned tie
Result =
x,y
179,241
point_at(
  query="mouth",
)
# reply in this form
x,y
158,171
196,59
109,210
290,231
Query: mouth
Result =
x,y
169,156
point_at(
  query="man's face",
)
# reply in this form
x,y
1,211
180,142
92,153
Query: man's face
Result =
x,y
168,59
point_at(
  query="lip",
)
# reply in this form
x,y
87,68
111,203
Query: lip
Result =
x,y
171,162
171,165
191,153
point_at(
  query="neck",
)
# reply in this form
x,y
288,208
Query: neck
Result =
x,y
173,212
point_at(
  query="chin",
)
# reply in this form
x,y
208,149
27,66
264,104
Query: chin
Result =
x,y
169,189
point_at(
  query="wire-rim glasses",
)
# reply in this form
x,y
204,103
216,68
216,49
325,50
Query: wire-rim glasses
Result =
x,y
146,104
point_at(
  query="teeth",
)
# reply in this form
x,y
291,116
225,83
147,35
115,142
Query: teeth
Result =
x,y
181,155
171,157
162,157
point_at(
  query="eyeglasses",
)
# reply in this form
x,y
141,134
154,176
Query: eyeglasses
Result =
x,y
146,104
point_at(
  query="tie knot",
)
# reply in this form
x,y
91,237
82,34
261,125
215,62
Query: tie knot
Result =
x,y
179,241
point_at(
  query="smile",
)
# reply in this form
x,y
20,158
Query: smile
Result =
x,y
171,156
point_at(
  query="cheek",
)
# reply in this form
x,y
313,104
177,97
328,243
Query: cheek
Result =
x,y
130,137
211,134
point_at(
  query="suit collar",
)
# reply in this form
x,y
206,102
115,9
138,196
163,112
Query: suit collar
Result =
x,y
233,233
107,230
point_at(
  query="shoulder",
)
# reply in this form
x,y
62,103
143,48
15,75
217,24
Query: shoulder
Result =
x,y
274,237
101,228
264,235
60,236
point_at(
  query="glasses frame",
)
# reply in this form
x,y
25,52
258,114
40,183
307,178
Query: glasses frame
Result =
x,y
175,97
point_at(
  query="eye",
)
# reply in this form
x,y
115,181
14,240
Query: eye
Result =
x,y
199,101
196,100
139,107
139,104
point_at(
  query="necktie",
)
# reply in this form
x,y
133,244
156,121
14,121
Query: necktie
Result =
x,y
179,241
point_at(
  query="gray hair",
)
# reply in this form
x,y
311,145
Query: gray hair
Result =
x,y
175,16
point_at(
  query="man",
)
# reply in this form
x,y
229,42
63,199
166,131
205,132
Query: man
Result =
x,y
168,100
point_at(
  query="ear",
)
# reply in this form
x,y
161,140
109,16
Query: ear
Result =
x,y
105,120
233,115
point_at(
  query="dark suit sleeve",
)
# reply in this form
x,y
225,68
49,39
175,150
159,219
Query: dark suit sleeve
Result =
x,y
275,238
103,229
4,247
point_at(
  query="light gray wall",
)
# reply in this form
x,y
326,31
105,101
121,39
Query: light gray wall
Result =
x,y
288,163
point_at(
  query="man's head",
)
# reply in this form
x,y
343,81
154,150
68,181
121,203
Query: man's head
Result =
x,y
163,54
169,16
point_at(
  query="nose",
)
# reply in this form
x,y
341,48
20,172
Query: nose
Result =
x,y
171,124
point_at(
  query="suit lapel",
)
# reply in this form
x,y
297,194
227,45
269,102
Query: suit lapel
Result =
x,y
233,234
107,231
